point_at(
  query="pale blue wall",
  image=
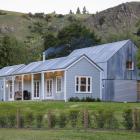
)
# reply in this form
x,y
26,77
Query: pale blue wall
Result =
x,y
83,68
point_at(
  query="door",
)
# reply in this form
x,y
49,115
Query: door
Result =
x,y
36,89
49,92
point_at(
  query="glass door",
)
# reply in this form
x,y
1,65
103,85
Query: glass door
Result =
x,y
36,89
49,88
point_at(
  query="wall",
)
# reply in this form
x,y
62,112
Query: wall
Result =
x,y
125,90
116,65
83,68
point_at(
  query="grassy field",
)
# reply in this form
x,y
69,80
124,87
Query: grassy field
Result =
x,y
7,134
44,106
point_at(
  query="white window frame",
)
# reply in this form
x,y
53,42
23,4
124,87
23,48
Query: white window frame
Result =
x,y
57,84
49,87
34,90
86,84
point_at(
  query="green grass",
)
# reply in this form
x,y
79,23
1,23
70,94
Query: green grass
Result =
x,y
13,134
44,106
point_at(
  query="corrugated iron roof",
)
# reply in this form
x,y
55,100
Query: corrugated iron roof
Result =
x,y
100,53
9,70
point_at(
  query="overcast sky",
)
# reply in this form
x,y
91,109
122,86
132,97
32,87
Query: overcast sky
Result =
x,y
60,6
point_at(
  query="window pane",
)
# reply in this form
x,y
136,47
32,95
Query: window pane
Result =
x,y
83,80
77,80
77,88
88,88
82,88
129,64
88,81
59,84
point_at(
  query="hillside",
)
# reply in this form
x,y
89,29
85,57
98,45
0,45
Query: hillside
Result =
x,y
121,19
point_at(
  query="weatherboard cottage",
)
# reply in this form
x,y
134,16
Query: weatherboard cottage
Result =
x,y
105,71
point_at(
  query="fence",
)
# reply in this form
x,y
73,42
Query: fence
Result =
x,y
79,119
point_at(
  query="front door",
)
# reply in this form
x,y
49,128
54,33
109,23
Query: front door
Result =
x,y
49,93
36,89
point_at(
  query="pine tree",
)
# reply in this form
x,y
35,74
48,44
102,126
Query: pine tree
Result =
x,y
84,10
78,11
70,12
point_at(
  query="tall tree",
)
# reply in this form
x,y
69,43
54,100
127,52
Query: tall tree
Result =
x,y
84,10
78,11
72,37
49,41
11,51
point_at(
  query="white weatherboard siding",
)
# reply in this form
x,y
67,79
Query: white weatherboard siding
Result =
x,y
83,68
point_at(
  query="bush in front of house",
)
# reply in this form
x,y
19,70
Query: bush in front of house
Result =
x,y
39,120
3,121
11,120
73,117
62,120
128,121
105,119
86,99
51,119
29,119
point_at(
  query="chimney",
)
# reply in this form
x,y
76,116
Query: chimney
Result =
x,y
44,56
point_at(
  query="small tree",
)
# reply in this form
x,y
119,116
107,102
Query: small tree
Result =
x,y
70,12
78,11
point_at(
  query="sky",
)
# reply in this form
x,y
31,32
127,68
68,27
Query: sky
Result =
x,y
60,6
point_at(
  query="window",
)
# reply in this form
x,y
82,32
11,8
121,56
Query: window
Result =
x,y
36,89
58,84
130,65
83,84
19,86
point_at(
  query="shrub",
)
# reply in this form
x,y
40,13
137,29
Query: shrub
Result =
x,y
128,122
74,99
11,120
99,119
105,119
51,120
21,122
110,120
87,99
136,119
98,100
39,119
3,121
73,117
62,120
29,118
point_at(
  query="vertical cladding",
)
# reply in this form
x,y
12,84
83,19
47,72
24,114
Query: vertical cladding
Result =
x,y
1,89
125,90
108,90
83,68
117,64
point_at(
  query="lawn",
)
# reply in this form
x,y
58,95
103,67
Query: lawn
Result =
x,y
44,106
13,134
